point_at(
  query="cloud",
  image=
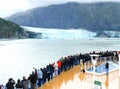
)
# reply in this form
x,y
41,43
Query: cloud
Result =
x,y
47,2
11,6
8,7
14,4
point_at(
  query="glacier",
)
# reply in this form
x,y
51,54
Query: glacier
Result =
x,y
61,33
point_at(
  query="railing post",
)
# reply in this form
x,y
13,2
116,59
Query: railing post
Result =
x,y
94,58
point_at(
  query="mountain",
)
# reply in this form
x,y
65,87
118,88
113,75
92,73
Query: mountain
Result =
x,y
96,17
10,30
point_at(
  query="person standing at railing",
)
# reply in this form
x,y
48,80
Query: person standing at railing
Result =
x,y
81,64
10,84
33,79
25,83
56,69
107,67
39,75
19,84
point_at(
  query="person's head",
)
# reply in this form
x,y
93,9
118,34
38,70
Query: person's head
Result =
x,y
10,79
32,72
18,81
24,78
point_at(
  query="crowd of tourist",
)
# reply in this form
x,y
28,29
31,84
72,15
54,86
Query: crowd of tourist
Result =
x,y
40,76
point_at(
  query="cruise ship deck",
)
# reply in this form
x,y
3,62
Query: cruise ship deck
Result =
x,y
76,79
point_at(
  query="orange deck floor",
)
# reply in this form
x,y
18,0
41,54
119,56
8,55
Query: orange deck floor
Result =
x,y
75,79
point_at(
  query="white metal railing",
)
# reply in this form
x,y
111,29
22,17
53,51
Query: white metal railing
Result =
x,y
100,61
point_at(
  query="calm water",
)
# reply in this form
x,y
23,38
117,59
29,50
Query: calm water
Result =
x,y
18,57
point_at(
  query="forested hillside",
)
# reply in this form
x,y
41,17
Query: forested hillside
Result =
x,y
11,30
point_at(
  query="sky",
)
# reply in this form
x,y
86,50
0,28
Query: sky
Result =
x,y
8,7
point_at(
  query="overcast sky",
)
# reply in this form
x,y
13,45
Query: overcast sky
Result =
x,y
8,7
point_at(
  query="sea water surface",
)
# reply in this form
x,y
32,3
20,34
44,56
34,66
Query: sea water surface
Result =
x,y
18,57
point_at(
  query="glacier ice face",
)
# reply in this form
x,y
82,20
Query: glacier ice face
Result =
x,y
113,33
61,33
